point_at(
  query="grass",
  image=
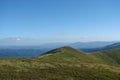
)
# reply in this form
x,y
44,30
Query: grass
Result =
x,y
110,56
59,64
53,71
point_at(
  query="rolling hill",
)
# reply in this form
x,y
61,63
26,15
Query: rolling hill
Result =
x,y
65,63
112,55
68,54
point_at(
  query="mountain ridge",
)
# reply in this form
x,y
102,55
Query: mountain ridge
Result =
x,y
108,47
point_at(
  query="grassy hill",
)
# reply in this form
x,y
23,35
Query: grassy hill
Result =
x,y
111,56
63,63
68,54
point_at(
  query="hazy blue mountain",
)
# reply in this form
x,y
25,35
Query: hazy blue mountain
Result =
x,y
112,46
115,45
21,52
95,44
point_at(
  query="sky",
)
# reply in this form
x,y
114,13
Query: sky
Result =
x,y
60,20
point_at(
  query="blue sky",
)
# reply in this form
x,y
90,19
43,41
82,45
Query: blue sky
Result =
x,y
60,20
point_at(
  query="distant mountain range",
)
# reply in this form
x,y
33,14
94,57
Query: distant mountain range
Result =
x,y
21,52
29,51
21,43
108,47
95,44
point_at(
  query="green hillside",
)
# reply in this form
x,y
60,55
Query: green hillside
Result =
x,y
63,63
111,56
68,54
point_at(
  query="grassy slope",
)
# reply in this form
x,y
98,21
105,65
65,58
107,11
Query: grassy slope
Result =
x,y
68,54
110,56
59,64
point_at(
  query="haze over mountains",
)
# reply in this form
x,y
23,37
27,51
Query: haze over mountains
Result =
x,y
29,51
